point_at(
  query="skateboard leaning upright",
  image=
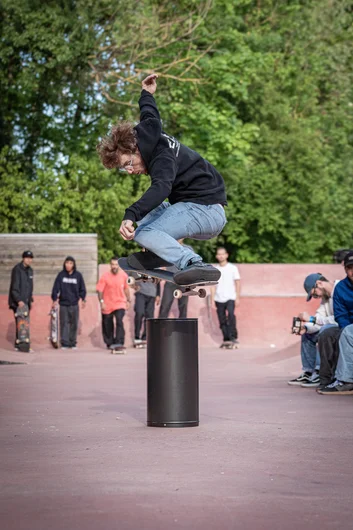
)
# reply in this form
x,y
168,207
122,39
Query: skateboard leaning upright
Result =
x,y
54,327
22,325
157,275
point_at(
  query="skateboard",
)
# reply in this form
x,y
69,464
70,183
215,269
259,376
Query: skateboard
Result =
x,y
22,325
141,344
117,349
229,345
157,275
54,327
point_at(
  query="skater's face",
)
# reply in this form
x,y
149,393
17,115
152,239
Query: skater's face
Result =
x,y
133,164
69,266
27,262
222,255
114,267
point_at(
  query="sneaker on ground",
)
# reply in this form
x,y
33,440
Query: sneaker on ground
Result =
x,y
138,341
65,348
314,381
74,347
337,388
197,272
303,378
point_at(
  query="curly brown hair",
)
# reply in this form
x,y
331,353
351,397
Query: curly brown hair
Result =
x,y
121,140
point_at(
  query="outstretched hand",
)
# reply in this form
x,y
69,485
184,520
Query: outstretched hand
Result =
x,y
150,84
127,230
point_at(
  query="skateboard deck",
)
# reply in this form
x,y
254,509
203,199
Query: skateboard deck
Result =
x,y
54,327
117,349
229,345
22,325
157,275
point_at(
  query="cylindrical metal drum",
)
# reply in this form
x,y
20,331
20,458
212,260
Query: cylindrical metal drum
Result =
x,y
172,372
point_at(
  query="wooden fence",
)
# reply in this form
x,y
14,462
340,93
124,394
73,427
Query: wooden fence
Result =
x,y
50,251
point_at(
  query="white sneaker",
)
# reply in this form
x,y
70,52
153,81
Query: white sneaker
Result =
x,y
64,347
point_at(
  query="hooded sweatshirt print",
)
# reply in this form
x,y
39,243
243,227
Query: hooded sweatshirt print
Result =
x,y
69,288
177,172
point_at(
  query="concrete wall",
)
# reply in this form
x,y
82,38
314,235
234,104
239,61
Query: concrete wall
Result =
x,y
271,296
49,251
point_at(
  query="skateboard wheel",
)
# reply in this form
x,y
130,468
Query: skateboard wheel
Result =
x,y
131,280
177,293
27,340
17,341
25,314
202,293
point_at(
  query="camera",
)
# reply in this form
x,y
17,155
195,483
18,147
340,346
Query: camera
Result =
x,y
296,325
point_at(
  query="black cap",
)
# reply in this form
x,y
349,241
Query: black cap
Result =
x,y
348,260
27,254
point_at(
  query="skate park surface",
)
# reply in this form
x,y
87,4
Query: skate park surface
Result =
x,y
76,453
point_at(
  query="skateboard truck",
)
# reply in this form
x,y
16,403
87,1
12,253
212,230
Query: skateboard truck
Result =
x,y
142,278
189,291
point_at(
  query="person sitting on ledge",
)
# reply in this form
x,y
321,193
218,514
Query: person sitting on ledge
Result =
x,y
316,286
194,189
337,348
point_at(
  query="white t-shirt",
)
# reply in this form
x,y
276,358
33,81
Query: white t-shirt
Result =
x,y
225,290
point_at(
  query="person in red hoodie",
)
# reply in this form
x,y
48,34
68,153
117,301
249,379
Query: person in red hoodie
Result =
x,y
114,298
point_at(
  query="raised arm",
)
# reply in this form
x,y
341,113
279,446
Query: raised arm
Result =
x,y
147,103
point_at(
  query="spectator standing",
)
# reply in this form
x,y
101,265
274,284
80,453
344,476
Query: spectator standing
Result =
x,y
21,286
69,287
316,286
146,297
227,296
337,358
114,298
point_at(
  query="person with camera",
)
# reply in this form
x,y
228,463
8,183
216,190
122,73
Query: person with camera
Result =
x,y
336,373
312,326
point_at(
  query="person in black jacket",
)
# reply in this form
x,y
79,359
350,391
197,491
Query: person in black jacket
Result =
x,y
21,287
194,188
69,287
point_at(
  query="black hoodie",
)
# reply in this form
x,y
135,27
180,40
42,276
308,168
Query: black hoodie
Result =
x,y
69,288
21,287
177,172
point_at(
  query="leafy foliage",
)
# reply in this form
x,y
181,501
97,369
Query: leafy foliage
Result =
x,y
262,89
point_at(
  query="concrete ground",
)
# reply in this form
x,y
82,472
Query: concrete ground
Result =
x,y
76,453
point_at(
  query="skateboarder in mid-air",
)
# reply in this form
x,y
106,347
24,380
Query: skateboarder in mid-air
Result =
x,y
194,188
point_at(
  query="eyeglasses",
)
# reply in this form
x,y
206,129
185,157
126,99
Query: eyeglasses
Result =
x,y
129,163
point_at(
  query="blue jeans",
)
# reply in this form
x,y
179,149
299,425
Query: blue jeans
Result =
x,y
309,353
344,370
160,229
